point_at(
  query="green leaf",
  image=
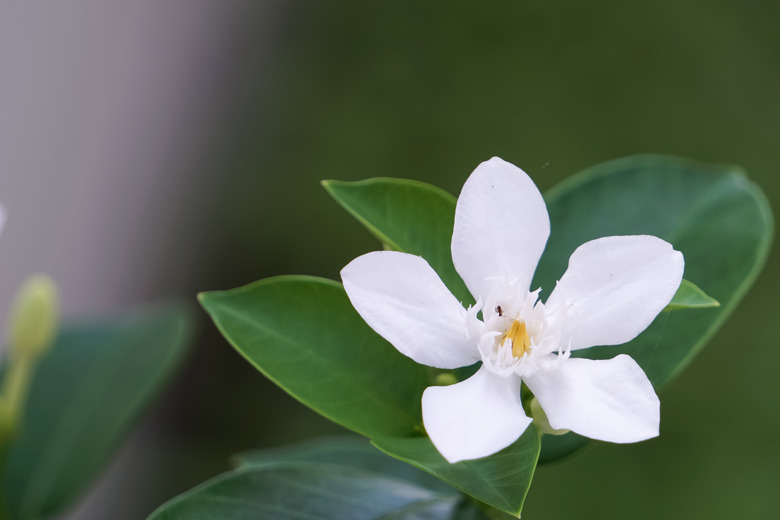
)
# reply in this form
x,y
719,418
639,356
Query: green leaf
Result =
x,y
298,491
342,450
85,395
408,216
303,334
501,480
688,296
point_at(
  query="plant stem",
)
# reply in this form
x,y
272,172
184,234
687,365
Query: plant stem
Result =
x,y
15,386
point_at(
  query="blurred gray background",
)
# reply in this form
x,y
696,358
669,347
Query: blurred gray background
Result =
x,y
158,148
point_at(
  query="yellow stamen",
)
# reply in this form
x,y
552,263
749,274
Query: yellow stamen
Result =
x,y
518,335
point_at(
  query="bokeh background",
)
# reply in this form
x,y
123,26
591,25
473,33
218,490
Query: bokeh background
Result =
x,y
157,148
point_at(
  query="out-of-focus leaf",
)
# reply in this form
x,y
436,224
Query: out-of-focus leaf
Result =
x,y
298,491
303,334
342,450
85,395
501,480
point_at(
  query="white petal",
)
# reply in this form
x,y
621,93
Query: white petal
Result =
x,y
501,228
474,418
613,289
401,297
609,400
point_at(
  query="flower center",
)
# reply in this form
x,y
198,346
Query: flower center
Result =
x,y
518,335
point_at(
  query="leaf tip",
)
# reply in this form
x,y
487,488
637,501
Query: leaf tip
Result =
x,y
205,299
331,185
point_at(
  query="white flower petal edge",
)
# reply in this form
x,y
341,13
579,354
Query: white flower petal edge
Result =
x,y
501,228
403,299
610,400
613,289
474,418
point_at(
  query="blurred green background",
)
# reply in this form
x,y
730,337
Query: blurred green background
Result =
x,y
427,91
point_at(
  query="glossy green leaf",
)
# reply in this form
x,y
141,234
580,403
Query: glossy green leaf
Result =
x,y
297,491
303,334
408,216
501,480
345,451
688,296
85,395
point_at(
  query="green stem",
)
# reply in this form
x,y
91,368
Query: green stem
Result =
x,y
15,387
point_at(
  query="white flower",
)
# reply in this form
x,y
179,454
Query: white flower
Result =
x,y
612,290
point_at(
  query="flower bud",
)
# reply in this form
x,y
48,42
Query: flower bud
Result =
x,y
34,317
445,379
540,420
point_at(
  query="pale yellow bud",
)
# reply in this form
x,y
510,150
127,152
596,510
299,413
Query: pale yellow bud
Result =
x,y
445,379
540,420
34,317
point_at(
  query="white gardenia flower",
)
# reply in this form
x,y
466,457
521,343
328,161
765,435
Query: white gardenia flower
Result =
x,y
612,290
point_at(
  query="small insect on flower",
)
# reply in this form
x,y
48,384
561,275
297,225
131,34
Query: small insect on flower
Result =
x,y
612,290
